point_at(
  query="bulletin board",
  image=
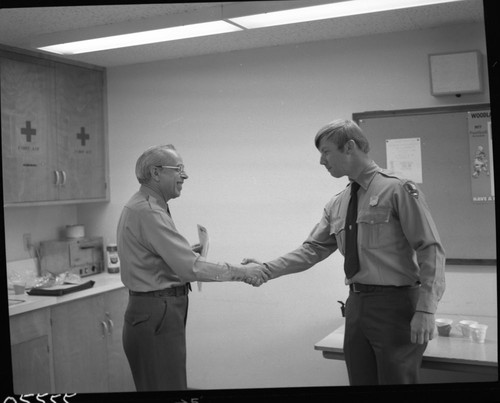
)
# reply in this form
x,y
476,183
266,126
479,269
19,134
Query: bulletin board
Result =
x,y
466,227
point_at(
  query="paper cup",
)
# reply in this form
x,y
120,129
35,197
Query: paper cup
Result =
x,y
444,326
478,332
464,326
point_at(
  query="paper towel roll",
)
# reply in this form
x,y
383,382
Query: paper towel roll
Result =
x,y
75,231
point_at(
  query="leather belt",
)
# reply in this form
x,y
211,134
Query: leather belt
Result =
x,y
357,287
178,291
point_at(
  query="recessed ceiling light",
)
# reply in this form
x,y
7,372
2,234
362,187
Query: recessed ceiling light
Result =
x,y
327,11
142,38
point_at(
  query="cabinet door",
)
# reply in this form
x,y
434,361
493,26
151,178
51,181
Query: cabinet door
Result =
x,y
27,100
119,374
79,340
30,339
30,366
80,127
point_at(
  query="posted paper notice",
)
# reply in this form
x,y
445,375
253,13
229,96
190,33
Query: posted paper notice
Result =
x,y
404,157
481,157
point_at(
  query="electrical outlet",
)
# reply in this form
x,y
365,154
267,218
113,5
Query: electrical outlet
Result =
x,y
27,241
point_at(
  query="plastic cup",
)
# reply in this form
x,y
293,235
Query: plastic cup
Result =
x,y
464,326
444,326
19,288
478,332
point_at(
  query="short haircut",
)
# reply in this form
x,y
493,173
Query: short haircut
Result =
x,y
341,131
153,156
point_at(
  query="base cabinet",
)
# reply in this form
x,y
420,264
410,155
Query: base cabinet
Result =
x,y
89,357
72,347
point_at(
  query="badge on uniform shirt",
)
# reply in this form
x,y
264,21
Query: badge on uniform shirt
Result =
x,y
411,188
373,201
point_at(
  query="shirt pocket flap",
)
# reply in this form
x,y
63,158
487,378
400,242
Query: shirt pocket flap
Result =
x,y
374,215
337,225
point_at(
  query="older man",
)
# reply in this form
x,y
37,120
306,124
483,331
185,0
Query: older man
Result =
x,y
394,260
157,264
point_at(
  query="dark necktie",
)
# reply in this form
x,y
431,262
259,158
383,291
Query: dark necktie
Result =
x,y
351,262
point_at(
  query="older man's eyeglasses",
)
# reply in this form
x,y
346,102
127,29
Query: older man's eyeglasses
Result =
x,y
178,168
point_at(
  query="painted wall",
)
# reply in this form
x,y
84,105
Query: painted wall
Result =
x,y
43,223
244,123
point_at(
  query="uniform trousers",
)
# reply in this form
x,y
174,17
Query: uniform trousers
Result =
x,y
154,340
377,344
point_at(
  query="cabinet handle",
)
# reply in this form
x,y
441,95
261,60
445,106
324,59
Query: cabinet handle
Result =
x,y
105,329
64,178
58,177
110,323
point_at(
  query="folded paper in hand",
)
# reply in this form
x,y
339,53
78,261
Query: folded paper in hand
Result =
x,y
204,242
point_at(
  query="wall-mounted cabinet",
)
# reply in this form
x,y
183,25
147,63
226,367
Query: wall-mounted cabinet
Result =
x,y
53,131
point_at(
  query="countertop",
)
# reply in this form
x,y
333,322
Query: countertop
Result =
x,y
103,282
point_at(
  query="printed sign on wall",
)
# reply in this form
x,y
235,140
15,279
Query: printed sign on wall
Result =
x,y
481,156
404,157
28,139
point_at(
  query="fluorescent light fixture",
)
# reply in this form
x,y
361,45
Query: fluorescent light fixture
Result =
x,y
291,16
327,11
142,38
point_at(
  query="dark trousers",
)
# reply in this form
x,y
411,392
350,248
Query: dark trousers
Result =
x,y
154,340
377,345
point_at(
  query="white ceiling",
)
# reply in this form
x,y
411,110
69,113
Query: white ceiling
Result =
x,y
21,27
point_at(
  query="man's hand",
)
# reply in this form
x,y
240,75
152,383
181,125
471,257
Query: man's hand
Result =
x,y
422,327
256,273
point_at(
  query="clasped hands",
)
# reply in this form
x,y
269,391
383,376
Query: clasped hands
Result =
x,y
256,273
251,271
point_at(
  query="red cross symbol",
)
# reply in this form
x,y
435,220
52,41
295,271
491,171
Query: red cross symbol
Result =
x,y
82,136
28,131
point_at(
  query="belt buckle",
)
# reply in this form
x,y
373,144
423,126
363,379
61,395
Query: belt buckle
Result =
x,y
354,289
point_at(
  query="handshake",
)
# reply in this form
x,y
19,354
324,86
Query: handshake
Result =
x,y
254,272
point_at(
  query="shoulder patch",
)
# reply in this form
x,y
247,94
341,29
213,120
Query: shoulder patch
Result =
x,y
411,188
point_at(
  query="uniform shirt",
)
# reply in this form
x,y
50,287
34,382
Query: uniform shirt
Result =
x,y
398,243
153,254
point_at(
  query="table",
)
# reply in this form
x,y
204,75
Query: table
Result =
x,y
453,353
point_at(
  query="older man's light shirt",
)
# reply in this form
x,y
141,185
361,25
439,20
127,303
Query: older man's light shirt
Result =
x,y
153,254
